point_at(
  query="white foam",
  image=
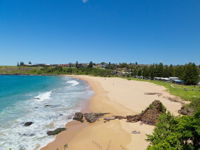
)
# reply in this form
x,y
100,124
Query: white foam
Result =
x,y
43,96
73,82
53,110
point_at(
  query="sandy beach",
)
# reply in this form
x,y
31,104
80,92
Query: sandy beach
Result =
x,y
118,97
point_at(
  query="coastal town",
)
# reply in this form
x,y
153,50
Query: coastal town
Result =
x,y
160,72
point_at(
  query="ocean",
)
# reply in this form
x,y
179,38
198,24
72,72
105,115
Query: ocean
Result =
x,y
47,101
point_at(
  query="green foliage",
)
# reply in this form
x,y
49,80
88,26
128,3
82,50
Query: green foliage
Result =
x,y
56,70
191,74
176,133
90,64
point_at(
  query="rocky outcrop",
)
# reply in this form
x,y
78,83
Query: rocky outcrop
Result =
x,y
26,124
134,118
185,110
92,117
57,131
150,115
120,117
78,116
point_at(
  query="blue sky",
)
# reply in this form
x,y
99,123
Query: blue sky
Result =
x,y
62,31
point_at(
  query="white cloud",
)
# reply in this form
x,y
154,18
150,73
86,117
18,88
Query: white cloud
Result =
x,y
85,1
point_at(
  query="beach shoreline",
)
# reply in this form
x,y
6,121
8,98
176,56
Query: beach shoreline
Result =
x,y
118,97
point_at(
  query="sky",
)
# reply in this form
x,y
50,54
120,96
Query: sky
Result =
x,y
62,31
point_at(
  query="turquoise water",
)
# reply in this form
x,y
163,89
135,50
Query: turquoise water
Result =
x,y
47,101
18,88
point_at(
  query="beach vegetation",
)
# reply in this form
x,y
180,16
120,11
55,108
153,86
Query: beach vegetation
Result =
x,y
176,133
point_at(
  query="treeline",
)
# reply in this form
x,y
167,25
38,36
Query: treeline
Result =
x,y
75,70
189,73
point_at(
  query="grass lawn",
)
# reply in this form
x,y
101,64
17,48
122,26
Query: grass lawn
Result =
x,y
188,93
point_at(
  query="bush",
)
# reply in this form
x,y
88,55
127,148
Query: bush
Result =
x,y
176,133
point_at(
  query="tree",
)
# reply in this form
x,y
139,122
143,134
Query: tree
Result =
x,y
77,65
29,63
90,64
191,74
21,63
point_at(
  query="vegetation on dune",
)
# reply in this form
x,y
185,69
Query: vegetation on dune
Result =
x,y
176,133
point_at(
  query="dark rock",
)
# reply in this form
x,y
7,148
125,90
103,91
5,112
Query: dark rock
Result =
x,y
150,115
57,131
78,116
92,117
26,124
120,117
134,118
185,110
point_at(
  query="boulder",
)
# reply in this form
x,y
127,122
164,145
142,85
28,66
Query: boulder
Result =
x,y
57,131
134,118
186,111
150,115
26,124
78,116
92,117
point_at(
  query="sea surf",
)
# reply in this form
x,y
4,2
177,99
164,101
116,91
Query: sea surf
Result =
x,y
49,102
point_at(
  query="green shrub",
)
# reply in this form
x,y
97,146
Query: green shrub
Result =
x,y
176,133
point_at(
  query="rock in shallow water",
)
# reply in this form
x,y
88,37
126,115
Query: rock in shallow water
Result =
x,y
26,124
57,131
78,116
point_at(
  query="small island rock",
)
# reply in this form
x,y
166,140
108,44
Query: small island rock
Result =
x,y
57,131
26,124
